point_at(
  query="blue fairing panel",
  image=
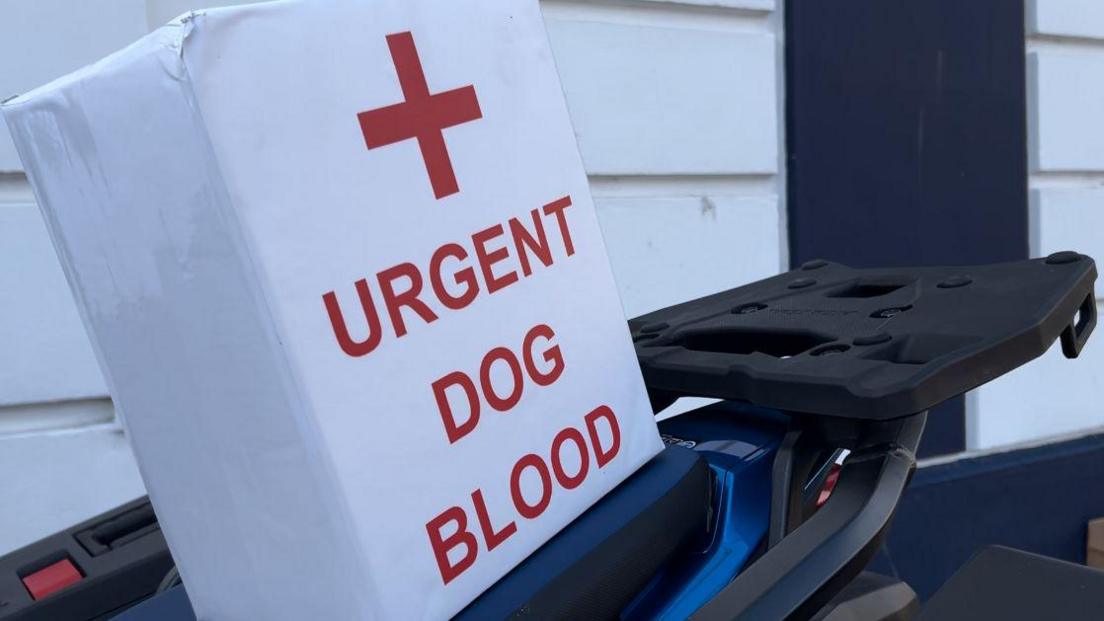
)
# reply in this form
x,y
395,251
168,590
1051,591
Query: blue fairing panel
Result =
x,y
172,605
739,443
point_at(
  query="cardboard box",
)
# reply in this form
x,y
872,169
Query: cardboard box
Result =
x,y
342,271
1094,556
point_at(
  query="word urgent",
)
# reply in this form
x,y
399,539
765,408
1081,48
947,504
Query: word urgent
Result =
x,y
403,285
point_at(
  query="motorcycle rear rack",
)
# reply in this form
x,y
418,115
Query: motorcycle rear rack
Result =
x,y
871,344
857,357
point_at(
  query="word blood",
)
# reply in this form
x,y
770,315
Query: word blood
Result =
x,y
550,472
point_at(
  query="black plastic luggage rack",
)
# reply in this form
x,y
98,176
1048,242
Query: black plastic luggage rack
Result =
x,y
872,344
856,357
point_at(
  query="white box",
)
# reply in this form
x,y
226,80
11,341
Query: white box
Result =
x,y
222,191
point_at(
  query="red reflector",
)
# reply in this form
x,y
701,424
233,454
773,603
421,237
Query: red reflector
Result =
x,y
829,485
51,578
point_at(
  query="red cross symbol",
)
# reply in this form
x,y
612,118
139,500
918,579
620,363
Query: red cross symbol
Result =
x,y
422,116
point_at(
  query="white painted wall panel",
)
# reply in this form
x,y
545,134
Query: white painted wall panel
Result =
x,y
1072,18
1066,90
1050,396
31,418
762,5
159,12
670,250
648,100
1068,219
44,39
54,480
1065,93
47,356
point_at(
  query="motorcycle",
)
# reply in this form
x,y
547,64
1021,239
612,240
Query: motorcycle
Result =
x,y
767,504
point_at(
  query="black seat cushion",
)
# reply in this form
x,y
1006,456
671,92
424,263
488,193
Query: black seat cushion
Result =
x,y
600,562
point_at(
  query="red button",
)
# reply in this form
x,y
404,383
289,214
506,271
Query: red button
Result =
x,y
52,578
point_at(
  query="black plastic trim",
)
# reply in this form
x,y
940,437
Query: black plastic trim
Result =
x,y
121,555
802,573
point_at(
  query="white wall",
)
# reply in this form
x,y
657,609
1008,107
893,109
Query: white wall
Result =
x,y
1065,84
677,106
677,109
65,456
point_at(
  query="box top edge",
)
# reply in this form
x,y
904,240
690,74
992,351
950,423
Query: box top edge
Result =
x,y
169,36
